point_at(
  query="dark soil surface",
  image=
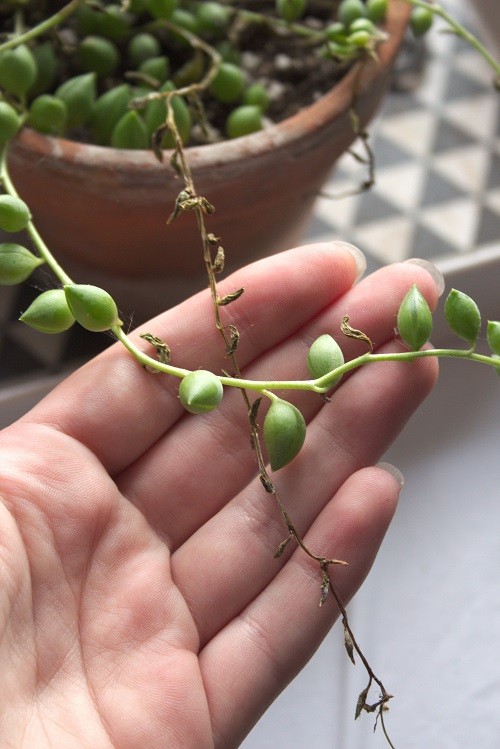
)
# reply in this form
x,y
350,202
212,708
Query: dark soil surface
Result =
x,y
290,65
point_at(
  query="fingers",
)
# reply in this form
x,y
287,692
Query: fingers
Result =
x,y
209,458
119,410
228,562
263,648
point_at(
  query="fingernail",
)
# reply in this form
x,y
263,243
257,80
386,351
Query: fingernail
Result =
x,y
395,472
358,256
432,270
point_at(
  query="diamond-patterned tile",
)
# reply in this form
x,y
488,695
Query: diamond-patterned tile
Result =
x,y
489,227
411,131
432,84
438,189
478,116
467,168
493,180
449,135
456,222
493,200
318,229
430,246
401,185
460,86
387,152
474,66
373,207
389,240
337,213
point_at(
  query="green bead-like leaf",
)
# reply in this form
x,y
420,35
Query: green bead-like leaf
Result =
x,y
350,10
414,319
92,307
229,83
79,95
156,67
463,316
16,263
141,47
46,62
161,8
130,132
324,356
112,22
48,114
291,10
10,122
377,10
49,313
14,213
421,20
284,433
256,95
18,70
244,120
200,391
98,54
213,18
493,336
107,111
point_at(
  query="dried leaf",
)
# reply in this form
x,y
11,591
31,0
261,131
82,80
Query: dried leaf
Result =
x,y
218,262
223,301
281,548
162,349
361,703
353,333
180,201
156,141
325,588
267,484
186,201
254,410
174,163
235,337
349,645
205,205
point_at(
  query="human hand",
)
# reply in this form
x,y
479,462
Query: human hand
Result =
x,y
140,602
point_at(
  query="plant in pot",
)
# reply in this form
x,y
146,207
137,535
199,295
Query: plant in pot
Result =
x,y
181,344
302,55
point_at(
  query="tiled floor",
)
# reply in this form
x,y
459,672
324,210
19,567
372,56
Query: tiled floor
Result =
x,y
437,191
437,146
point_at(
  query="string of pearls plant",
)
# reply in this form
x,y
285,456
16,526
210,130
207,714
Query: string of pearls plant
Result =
x,y
356,32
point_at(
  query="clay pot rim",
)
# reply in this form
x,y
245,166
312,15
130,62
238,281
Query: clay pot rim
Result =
x,y
332,104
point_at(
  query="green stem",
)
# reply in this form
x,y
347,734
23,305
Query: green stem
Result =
x,y
320,385
42,27
144,359
460,31
323,384
40,245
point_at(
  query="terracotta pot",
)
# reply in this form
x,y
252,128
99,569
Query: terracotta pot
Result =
x,y
105,210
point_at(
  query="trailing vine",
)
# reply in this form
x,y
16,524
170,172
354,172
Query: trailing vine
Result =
x,y
283,427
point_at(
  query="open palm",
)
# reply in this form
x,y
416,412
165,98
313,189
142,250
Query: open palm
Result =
x,y
140,604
